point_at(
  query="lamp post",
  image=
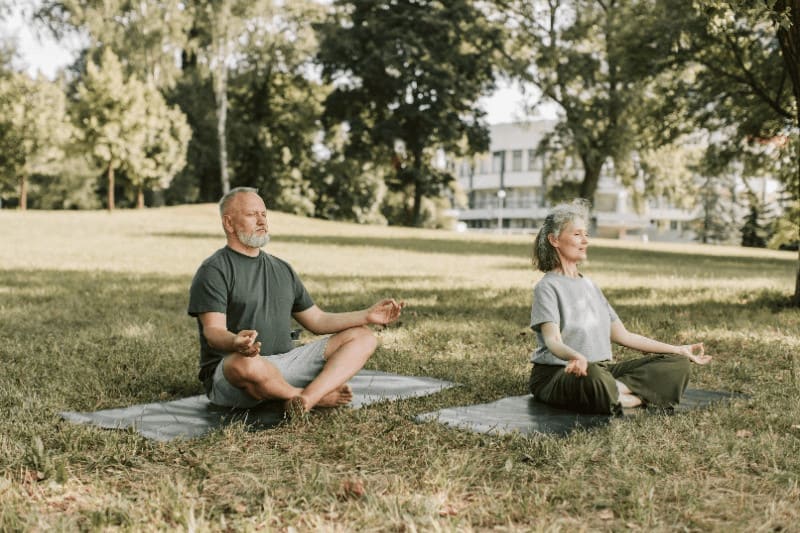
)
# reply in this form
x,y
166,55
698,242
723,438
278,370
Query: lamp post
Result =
x,y
501,195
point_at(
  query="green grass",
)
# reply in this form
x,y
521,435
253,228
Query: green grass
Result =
x,y
93,315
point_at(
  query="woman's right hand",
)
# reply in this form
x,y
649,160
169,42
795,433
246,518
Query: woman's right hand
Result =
x,y
578,366
695,352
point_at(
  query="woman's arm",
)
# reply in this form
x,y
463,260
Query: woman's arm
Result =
x,y
577,364
620,335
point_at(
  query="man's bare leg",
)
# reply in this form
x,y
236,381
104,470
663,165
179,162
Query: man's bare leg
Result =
x,y
346,353
258,377
626,396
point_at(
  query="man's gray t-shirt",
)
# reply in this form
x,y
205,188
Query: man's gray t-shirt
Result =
x,y
582,313
259,293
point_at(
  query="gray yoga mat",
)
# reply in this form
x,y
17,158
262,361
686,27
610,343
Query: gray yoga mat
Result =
x,y
526,416
195,416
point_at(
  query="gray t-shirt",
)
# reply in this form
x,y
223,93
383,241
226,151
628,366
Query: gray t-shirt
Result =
x,y
582,313
259,293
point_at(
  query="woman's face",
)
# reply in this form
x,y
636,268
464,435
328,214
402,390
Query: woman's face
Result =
x,y
572,243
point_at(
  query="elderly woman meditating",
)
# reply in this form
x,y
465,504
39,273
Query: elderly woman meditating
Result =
x,y
573,366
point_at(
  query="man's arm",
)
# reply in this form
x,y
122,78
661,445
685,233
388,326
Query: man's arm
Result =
x,y
321,322
216,332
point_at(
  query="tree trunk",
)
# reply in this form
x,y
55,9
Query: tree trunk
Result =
x,y
221,37
140,197
222,113
110,174
23,192
417,207
796,299
591,177
789,39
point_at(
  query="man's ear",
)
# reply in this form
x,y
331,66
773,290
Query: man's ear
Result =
x,y
227,225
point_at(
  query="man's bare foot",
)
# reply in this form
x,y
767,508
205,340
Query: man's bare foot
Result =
x,y
296,408
629,400
337,398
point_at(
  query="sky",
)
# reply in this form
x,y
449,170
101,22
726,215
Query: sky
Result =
x,y
42,55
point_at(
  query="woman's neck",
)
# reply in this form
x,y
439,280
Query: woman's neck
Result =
x,y
569,270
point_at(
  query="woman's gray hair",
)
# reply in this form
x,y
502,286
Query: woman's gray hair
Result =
x,y
225,200
545,257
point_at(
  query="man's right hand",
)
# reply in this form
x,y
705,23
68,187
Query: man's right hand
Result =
x,y
245,343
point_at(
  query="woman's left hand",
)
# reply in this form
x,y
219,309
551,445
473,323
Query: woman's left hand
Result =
x,y
695,352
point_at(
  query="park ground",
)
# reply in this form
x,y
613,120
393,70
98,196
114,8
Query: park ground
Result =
x,y
93,316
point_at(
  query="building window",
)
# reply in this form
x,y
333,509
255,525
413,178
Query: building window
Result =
x,y
484,166
516,161
497,162
534,163
673,225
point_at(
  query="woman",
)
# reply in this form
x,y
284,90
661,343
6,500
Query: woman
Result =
x,y
575,325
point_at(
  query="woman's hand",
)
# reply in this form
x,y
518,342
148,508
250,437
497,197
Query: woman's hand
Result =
x,y
577,366
695,352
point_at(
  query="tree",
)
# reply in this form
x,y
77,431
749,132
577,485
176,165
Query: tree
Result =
x,y
275,108
745,60
220,24
110,113
348,188
718,203
159,151
754,232
146,35
407,76
597,61
35,128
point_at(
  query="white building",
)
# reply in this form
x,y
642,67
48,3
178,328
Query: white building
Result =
x,y
507,187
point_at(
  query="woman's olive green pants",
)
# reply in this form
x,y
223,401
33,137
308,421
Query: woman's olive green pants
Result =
x,y
659,380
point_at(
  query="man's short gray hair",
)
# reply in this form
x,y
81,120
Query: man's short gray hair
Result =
x,y
226,199
545,257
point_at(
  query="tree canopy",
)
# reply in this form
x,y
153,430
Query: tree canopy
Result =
x,y
407,76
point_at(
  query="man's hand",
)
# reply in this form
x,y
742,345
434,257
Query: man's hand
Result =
x,y
695,352
578,367
384,312
245,343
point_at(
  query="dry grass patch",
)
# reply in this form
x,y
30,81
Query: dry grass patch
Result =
x,y
93,315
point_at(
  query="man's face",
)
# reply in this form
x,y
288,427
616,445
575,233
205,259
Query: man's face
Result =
x,y
246,217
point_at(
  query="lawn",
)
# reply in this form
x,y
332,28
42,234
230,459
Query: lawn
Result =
x,y
93,316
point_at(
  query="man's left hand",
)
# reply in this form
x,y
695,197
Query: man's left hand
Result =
x,y
384,312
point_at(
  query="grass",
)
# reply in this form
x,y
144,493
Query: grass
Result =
x,y
93,315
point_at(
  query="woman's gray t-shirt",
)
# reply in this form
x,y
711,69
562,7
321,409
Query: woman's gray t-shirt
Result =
x,y
584,316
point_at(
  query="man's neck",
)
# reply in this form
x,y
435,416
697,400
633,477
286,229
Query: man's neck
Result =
x,y
237,246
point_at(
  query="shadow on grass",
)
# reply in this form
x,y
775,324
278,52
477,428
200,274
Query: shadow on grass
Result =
x,y
633,261
422,245
105,339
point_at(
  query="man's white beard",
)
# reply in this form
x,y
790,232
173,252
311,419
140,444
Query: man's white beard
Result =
x,y
253,240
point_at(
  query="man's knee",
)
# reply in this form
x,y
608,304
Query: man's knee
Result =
x,y
239,369
360,336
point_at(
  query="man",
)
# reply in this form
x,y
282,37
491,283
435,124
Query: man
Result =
x,y
244,298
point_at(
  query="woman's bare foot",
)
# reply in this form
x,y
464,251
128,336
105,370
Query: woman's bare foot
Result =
x,y
629,400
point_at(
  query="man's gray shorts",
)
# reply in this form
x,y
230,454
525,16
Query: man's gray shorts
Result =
x,y
298,367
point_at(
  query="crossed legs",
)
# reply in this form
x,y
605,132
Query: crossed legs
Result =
x,y
345,354
657,380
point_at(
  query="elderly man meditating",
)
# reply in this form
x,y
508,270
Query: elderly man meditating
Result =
x,y
244,299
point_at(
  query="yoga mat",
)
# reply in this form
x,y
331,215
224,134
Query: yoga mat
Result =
x,y
526,416
194,416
